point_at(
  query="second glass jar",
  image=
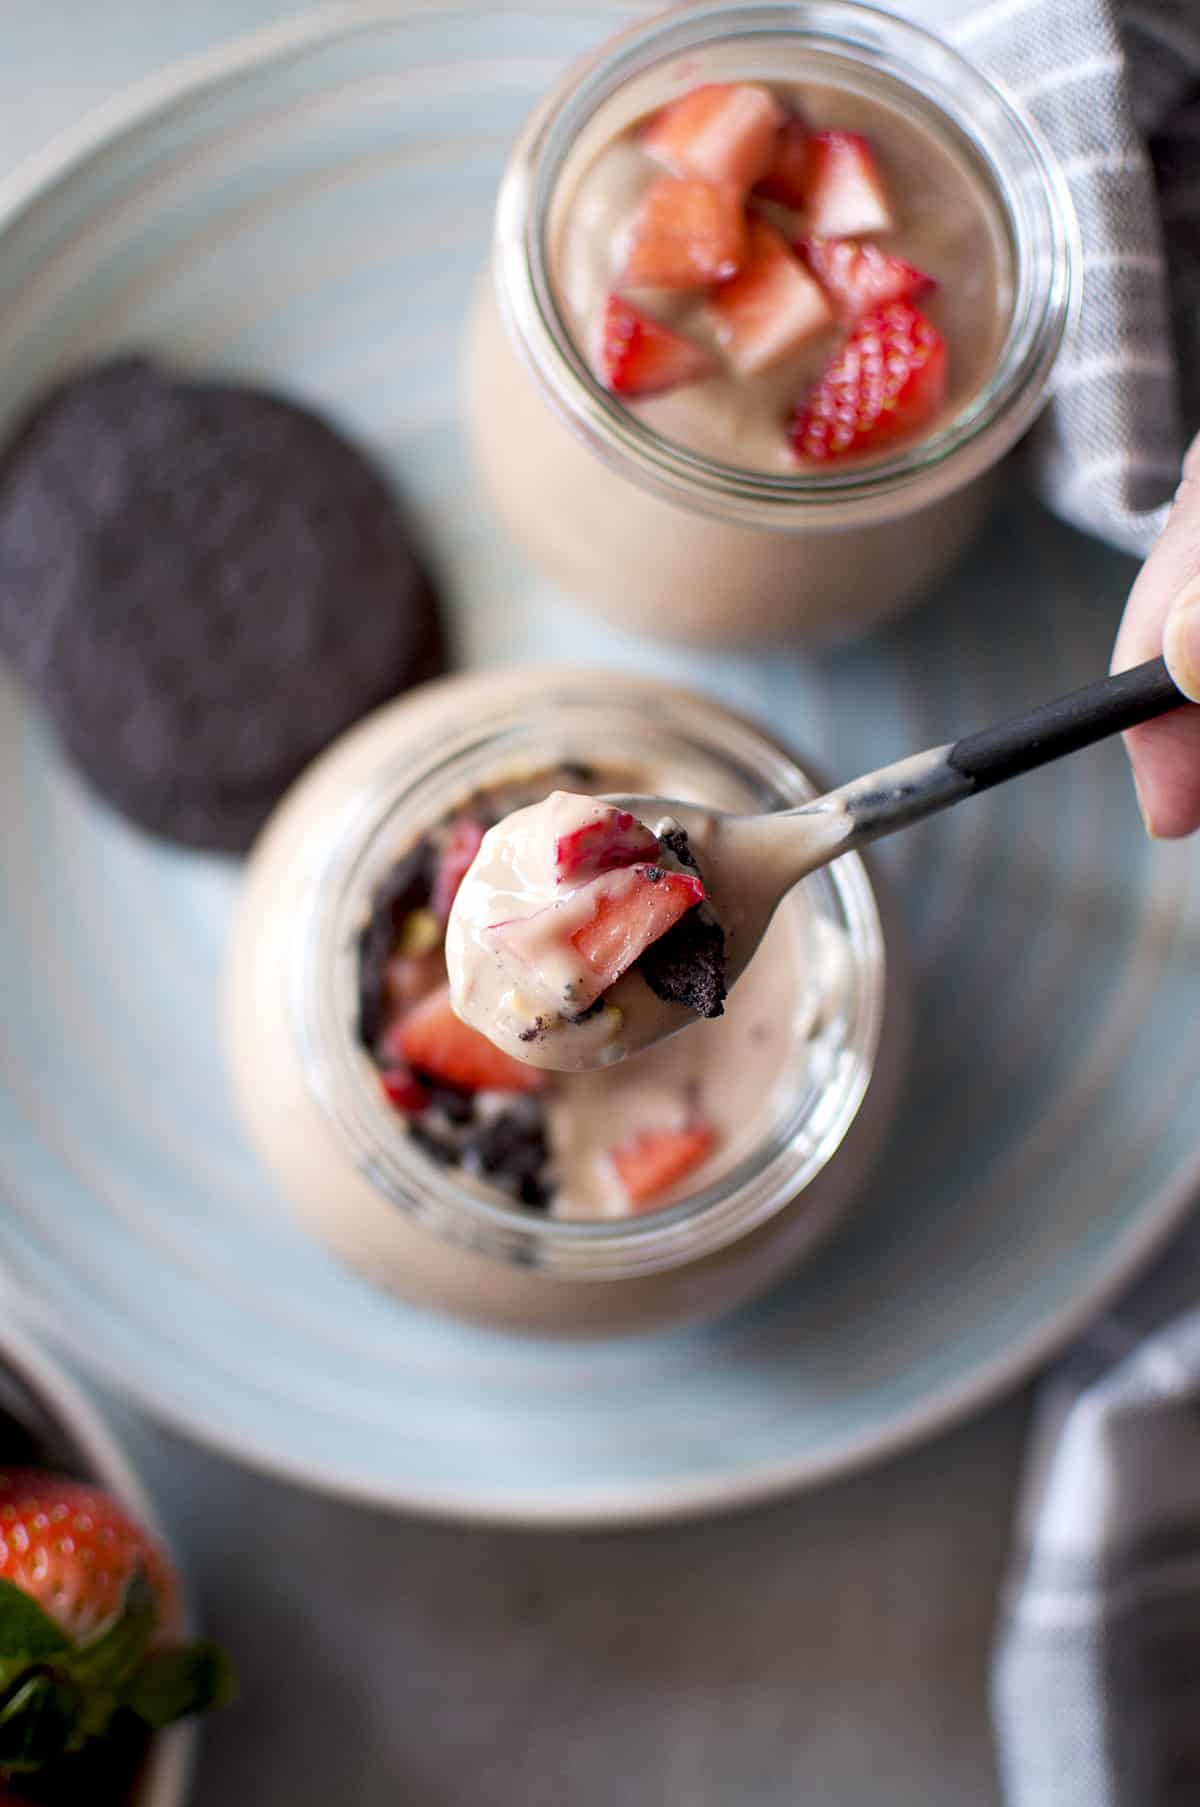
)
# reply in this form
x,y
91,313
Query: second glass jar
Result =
x,y
674,542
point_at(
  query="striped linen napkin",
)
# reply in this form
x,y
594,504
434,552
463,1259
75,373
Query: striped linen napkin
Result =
x,y
1115,86
1096,1683
1096,1679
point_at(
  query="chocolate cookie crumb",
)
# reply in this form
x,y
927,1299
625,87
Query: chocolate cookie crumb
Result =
x,y
675,841
436,1147
456,1106
593,1009
687,965
513,1152
408,886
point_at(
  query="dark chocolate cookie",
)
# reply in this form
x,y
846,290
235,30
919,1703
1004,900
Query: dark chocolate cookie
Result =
x,y
204,585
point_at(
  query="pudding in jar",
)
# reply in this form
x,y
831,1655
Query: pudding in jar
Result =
x,y
785,278
668,1187
773,290
480,1041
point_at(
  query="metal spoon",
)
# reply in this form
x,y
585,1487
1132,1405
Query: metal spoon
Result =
x,y
750,863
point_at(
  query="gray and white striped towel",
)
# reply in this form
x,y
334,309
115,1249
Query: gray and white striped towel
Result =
x,y
1097,1672
1097,1675
1115,86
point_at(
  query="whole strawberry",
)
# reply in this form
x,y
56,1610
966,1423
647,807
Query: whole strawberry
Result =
x,y
89,1620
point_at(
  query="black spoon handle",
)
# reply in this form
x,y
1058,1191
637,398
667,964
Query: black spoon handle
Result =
x,y
891,798
1071,722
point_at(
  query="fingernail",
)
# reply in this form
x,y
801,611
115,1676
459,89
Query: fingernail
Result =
x,y
1181,642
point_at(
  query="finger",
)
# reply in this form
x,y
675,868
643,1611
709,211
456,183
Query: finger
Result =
x,y
1166,753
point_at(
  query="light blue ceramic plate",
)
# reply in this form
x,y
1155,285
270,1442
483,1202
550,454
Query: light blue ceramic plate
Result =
x,y
310,210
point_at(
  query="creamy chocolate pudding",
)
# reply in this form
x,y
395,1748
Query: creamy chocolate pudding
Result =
x,y
676,400
920,226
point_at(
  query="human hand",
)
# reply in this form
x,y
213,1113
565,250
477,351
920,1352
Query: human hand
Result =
x,y
1162,615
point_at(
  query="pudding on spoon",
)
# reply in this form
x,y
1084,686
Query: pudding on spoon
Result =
x,y
583,931
589,928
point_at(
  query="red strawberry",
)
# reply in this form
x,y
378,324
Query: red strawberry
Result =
x,y
723,131
88,1611
74,1551
407,978
633,908
434,1041
888,379
462,844
686,235
402,1089
861,277
615,838
770,307
787,175
846,196
639,356
655,1159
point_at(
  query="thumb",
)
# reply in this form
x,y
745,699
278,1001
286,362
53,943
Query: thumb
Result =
x,y
1163,616
1181,640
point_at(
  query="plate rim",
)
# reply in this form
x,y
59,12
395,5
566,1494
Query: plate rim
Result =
x,y
655,1501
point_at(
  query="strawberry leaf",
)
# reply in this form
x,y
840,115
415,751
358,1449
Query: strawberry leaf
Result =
x,y
27,1634
110,1658
171,1684
38,1720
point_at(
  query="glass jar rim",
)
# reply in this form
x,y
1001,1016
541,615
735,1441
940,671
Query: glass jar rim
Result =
x,y
1030,189
323,999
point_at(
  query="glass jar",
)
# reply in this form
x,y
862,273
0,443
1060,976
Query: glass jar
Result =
x,y
309,1094
666,539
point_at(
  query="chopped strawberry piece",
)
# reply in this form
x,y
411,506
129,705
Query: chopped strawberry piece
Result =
x,y
433,1041
650,1162
403,1090
615,839
788,173
846,197
638,356
635,908
888,379
407,978
723,131
770,307
686,235
861,277
462,844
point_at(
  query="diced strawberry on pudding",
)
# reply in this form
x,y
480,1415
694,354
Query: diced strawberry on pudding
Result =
x,y
771,307
576,947
613,838
436,1042
403,1090
862,277
887,381
846,196
640,356
650,1162
789,173
687,234
462,844
632,910
722,131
